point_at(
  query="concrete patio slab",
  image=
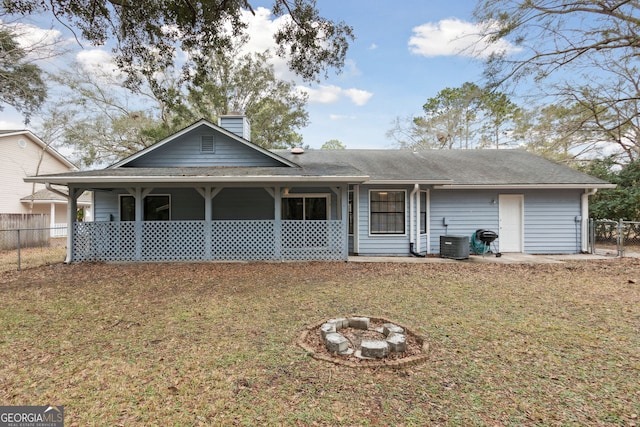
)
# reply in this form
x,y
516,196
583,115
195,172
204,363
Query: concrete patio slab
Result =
x,y
506,258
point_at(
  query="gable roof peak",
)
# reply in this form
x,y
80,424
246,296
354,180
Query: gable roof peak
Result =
x,y
192,127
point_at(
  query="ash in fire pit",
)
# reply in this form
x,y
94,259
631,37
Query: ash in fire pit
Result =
x,y
363,341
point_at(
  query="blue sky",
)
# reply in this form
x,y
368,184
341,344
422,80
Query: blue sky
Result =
x,y
384,65
403,54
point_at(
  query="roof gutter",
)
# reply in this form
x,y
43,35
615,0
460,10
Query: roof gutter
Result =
x,y
522,186
62,180
434,182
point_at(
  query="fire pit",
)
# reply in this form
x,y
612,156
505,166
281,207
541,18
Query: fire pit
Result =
x,y
359,341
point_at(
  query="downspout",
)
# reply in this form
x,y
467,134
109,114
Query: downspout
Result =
x,y
414,234
55,190
584,213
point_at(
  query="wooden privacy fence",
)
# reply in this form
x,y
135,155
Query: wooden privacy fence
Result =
x,y
23,230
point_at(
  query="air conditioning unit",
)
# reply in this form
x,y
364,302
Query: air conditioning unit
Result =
x,y
454,247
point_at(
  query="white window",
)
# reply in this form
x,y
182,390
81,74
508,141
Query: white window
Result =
x,y
423,212
387,211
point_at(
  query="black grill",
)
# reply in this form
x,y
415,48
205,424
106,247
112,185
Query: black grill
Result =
x,y
486,236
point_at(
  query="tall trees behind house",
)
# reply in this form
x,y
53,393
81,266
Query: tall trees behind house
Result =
x,y
147,37
21,82
103,122
581,56
464,117
148,33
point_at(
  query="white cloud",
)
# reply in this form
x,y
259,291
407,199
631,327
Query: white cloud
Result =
x,y
329,94
261,28
98,62
12,124
341,117
29,35
91,59
324,94
358,96
373,46
452,37
39,43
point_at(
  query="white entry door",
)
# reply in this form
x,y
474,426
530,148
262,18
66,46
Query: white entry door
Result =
x,y
511,218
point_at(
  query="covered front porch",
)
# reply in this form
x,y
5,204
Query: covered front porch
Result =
x,y
223,222
241,240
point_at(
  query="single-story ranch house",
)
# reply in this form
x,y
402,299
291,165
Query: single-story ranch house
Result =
x,y
208,193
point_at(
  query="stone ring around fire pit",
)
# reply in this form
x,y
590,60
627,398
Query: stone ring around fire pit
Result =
x,y
359,341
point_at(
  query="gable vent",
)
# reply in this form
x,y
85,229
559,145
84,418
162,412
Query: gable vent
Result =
x,y
206,144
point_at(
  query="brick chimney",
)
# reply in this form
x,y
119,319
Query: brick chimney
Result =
x,y
236,123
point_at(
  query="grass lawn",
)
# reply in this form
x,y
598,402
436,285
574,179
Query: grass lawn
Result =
x,y
214,344
32,257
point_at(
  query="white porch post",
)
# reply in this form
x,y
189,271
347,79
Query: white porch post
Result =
x,y
208,193
139,206
72,207
277,223
344,216
428,219
208,215
356,219
52,220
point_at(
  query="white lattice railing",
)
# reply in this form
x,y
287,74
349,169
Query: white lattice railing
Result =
x,y
201,240
59,230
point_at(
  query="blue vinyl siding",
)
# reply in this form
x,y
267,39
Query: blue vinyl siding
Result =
x,y
243,204
465,210
237,124
105,206
185,152
550,222
186,204
549,217
382,245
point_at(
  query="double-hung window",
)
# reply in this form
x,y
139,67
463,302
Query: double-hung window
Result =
x,y
387,211
423,212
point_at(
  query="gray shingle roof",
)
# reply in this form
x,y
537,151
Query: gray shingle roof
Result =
x,y
461,167
45,195
438,167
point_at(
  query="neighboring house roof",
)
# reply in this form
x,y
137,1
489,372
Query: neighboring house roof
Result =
x,y
46,196
41,143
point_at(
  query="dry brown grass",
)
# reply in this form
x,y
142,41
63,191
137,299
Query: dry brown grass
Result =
x,y
213,344
32,257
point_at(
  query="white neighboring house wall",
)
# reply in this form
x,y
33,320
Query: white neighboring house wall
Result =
x,y
23,154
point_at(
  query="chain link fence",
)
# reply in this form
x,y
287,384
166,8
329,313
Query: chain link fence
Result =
x,y
31,247
608,237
